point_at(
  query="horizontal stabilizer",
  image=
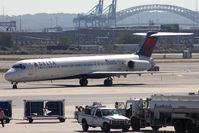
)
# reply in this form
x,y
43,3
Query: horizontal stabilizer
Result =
x,y
159,34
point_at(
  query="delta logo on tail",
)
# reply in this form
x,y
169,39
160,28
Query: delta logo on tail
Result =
x,y
149,45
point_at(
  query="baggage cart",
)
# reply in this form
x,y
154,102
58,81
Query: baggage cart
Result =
x,y
44,109
7,107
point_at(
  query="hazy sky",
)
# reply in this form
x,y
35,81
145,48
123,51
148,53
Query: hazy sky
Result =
x,y
20,7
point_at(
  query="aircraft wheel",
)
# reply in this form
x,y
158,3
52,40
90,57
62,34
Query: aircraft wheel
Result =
x,y
30,120
14,86
108,82
62,119
83,82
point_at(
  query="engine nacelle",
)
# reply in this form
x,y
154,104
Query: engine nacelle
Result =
x,y
139,65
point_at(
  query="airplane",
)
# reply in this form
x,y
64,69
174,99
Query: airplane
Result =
x,y
88,67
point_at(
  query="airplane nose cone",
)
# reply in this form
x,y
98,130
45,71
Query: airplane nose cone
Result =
x,y
8,76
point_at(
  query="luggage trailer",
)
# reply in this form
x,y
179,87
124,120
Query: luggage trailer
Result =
x,y
44,109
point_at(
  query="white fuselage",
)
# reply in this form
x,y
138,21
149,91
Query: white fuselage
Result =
x,y
70,67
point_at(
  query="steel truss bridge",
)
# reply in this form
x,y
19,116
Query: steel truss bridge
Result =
x,y
98,15
192,15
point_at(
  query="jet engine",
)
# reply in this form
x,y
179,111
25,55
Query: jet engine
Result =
x,y
139,65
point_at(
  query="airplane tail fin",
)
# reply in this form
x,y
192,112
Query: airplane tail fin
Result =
x,y
148,45
151,40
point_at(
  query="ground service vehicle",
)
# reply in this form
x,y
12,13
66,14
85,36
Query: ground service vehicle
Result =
x,y
104,117
155,68
180,111
7,108
44,109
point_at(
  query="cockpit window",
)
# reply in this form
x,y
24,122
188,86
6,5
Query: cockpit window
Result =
x,y
20,66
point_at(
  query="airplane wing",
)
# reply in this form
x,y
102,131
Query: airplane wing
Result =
x,y
118,73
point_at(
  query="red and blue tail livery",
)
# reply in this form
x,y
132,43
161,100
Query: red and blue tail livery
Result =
x,y
151,40
148,45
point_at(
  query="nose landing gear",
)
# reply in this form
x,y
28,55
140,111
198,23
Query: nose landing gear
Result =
x,y
14,85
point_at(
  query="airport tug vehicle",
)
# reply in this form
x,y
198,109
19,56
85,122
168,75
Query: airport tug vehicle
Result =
x,y
104,117
180,111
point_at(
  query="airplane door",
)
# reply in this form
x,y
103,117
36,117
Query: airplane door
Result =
x,y
35,67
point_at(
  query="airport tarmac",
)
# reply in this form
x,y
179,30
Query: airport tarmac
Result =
x,y
182,80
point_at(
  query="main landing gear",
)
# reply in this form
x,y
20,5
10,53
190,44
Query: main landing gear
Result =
x,y
14,85
108,82
83,82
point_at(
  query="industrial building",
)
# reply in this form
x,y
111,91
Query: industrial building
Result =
x,y
93,36
126,47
